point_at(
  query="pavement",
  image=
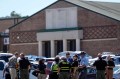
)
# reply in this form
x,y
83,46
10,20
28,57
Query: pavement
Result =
x,y
31,76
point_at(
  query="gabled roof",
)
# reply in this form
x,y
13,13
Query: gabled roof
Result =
x,y
33,15
109,9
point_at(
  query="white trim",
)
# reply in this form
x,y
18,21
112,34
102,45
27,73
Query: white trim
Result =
x,y
40,48
77,44
23,43
52,42
60,35
101,39
64,44
85,4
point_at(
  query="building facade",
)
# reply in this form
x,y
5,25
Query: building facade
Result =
x,y
65,26
5,23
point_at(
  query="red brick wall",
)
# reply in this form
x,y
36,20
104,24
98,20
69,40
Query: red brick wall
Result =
x,y
23,37
100,32
35,22
95,26
6,23
25,48
94,47
87,18
1,43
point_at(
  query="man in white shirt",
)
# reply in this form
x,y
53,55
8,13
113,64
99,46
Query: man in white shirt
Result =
x,y
12,66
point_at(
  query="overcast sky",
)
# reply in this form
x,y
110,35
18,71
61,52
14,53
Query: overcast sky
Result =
x,y
27,7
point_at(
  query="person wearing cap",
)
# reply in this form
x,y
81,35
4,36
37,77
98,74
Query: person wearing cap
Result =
x,y
12,65
54,69
68,57
74,67
100,65
64,69
83,65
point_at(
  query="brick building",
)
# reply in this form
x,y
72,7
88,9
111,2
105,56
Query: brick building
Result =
x,y
68,25
5,23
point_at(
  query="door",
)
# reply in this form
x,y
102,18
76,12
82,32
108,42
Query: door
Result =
x,y
58,46
46,48
71,45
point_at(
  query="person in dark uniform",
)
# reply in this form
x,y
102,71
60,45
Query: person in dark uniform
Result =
x,y
41,68
54,69
64,69
24,67
109,68
100,65
74,67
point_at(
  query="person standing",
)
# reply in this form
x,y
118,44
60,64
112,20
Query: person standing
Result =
x,y
24,66
109,68
54,69
6,72
83,65
12,66
64,69
41,68
68,57
74,67
100,65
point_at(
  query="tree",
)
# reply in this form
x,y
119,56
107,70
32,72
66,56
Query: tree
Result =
x,y
13,14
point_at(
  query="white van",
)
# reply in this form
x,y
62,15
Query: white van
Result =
x,y
5,56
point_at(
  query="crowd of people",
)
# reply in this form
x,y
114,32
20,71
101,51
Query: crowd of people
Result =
x,y
76,67
62,68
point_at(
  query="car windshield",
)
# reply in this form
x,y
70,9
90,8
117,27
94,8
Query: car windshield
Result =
x,y
5,58
71,54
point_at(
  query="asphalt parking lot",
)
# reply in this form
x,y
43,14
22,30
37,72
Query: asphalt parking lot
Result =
x,y
31,76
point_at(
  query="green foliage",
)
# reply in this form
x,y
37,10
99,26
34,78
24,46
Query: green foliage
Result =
x,y
13,14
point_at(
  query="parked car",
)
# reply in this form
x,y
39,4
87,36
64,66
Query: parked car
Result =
x,y
79,52
104,56
49,59
116,72
5,56
61,54
91,73
116,59
72,53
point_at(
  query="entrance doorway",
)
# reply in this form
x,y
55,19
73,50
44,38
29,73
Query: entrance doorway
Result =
x,y
46,48
58,46
71,45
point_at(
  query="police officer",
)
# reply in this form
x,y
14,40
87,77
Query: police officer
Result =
x,y
64,69
24,66
54,69
74,67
